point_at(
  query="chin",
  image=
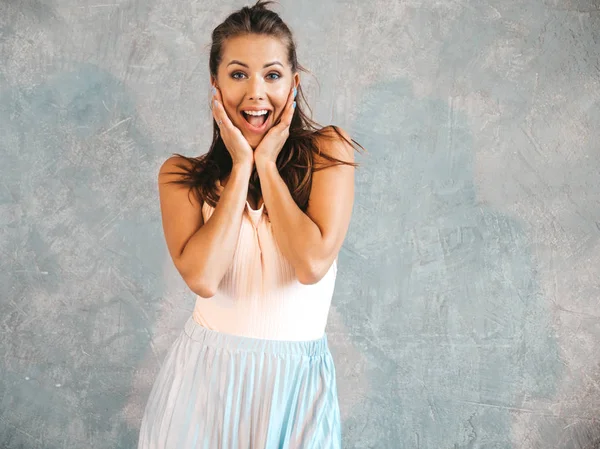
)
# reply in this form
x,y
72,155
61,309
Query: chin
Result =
x,y
255,139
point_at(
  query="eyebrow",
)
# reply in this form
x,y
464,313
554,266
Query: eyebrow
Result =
x,y
235,61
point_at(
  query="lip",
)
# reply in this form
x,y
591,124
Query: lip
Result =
x,y
255,129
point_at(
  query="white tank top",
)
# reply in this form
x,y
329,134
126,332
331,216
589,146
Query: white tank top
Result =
x,y
259,295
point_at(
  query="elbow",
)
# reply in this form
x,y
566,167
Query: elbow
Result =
x,y
199,287
194,277
201,290
309,275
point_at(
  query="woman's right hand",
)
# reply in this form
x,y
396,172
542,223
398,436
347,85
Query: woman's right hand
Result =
x,y
240,150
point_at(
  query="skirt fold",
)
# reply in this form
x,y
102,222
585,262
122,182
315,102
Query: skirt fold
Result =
x,y
222,391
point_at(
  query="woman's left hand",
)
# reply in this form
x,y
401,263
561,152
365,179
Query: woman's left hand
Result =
x,y
270,146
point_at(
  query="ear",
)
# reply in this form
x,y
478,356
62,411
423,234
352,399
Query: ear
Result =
x,y
296,79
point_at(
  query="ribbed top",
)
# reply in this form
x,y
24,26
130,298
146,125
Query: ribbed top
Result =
x,y
259,295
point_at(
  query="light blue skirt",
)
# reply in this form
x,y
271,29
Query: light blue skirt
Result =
x,y
222,391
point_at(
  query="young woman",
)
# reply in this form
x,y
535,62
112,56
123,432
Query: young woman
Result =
x,y
257,241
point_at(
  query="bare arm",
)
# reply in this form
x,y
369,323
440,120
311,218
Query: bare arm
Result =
x,y
312,240
202,252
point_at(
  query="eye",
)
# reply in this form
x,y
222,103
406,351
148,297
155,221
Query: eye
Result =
x,y
277,75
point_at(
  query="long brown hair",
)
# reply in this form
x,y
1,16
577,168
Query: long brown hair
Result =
x,y
295,162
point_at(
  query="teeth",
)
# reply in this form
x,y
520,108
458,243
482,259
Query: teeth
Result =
x,y
263,112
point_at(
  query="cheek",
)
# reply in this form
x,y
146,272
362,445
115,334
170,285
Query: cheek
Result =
x,y
230,104
231,111
282,98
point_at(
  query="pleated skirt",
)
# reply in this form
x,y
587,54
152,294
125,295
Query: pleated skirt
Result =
x,y
222,391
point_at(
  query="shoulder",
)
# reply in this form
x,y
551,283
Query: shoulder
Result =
x,y
179,175
335,142
177,164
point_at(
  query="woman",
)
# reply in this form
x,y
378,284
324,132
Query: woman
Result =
x,y
257,242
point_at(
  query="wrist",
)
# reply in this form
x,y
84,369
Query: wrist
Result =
x,y
259,162
242,166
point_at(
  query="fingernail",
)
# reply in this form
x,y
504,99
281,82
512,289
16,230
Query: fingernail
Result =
x,y
294,105
214,90
295,92
216,103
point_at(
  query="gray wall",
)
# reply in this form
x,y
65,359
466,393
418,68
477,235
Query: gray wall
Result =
x,y
466,311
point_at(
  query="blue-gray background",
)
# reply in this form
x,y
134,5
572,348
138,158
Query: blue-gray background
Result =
x,y
466,311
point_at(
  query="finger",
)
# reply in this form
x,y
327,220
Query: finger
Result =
x,y
218,95
218,111
292,108
214,103
214,110
221,112
288,113
282,121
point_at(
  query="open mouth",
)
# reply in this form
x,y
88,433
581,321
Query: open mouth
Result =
x,y
256,123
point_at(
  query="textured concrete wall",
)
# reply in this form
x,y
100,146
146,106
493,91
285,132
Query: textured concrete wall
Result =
x,y
466,312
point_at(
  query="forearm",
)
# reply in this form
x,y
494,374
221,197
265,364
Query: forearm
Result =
x,y
211,249
296,234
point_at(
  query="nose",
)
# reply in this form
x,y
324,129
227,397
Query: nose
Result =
x,y
256,88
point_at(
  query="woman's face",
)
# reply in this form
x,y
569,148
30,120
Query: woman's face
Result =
x,y
254,73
